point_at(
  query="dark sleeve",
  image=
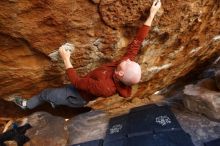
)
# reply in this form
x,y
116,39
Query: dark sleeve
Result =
x,y
86,84
134,46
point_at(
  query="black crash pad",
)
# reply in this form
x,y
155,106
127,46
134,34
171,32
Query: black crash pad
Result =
x,y
151,119
170,138
117,128
91,143
215,142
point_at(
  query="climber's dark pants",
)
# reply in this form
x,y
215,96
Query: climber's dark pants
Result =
x,y
68,95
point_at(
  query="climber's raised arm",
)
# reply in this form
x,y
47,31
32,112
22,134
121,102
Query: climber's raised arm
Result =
x,y
142,33
154,8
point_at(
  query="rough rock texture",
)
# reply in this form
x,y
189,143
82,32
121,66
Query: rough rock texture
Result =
x,y
93,125
47,130
52,130
199,127
184,34
203,98
87,127
117,13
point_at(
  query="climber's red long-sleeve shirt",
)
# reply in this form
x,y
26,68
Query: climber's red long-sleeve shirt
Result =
x,y
102,80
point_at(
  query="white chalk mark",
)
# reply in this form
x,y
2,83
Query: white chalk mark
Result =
x,y
216,38
159,68
145,43
217,60
157,92
195,50
97,42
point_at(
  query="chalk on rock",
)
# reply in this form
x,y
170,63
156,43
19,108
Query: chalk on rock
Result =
x,y
55,55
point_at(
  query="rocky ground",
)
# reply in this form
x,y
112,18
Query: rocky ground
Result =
x,y
183,35
198,126
92,125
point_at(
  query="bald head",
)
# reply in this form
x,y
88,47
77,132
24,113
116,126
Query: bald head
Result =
x,y
129,72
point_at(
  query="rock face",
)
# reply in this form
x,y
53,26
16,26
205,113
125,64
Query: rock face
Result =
x,y
56,131
87,127
199,127
46,129
183,34
204,98
116,13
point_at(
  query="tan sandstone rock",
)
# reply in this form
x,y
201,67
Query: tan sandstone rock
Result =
x,y
203,101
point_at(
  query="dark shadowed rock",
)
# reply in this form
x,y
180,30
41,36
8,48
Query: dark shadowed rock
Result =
x,y
47,130
202,100
87,127
209,73
199,127
217,79
96,1
208,84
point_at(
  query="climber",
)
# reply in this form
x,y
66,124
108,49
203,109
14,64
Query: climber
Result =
x,y
105,81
